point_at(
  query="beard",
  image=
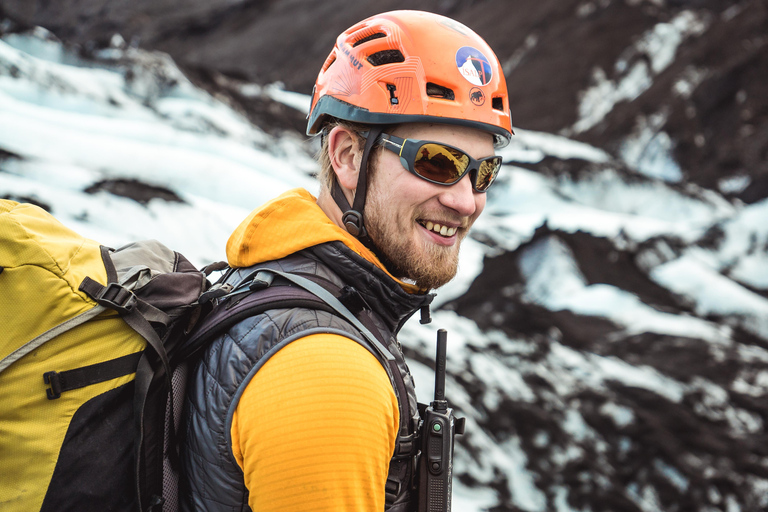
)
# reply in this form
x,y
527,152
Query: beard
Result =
x,y
426,264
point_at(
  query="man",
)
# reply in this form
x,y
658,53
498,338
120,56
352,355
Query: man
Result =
x,y
294,409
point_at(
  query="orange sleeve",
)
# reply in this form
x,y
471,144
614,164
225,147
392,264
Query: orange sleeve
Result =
x,y
316,427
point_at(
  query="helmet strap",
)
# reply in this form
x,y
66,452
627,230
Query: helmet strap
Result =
x,y
352,216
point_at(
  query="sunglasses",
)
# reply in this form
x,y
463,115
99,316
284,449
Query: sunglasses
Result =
x,y
440,163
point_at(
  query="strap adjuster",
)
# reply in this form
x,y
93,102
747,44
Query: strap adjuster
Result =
x,y
353,222
214,292
262,279
116,296
406,446
392,490
52,379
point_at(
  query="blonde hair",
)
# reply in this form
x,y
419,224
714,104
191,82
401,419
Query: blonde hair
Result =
x,y
326,174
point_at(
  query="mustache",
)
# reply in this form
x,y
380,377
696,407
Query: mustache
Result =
x,y
441,218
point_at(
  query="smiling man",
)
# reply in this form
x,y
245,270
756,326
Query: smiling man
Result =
x,y
414,226
295,408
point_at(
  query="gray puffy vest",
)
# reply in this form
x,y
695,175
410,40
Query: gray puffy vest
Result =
x,y
211,479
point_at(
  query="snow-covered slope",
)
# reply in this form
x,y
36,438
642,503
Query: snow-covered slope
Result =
x,y
608,331
73,130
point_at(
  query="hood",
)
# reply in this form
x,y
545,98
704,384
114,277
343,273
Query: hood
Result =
x,y
287,224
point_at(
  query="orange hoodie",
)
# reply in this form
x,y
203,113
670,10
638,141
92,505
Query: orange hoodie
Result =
x,y
322,441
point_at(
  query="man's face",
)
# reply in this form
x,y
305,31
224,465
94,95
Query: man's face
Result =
x,y
417,225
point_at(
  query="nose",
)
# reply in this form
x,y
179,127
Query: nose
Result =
x,y
461,198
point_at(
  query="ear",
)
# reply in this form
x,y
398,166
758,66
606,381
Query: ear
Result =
x,y
345,158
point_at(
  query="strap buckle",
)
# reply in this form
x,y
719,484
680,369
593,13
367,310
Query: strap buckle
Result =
x,y
406,446
392,490
353,222
116,296
52,379
215,292
262,279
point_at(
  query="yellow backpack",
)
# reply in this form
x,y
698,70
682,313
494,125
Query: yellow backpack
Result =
x,y
89,340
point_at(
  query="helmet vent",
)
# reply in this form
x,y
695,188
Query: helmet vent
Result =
x,y
386,57
330,60
371,37
497,103
438,91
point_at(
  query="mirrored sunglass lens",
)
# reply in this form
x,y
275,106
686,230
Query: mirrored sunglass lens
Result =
x,y
487,173
439,163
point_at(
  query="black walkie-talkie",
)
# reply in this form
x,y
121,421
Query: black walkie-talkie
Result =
x,y
439,428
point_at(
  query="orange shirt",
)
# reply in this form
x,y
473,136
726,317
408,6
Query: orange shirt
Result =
x,y
316,426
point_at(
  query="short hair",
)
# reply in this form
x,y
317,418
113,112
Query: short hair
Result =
x,y
326,176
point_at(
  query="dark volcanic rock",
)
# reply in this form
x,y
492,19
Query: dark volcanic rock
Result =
x,y
28,199
623,419
689,435
709,99
140,192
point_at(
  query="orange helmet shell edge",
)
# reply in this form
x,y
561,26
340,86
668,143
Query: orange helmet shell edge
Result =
x,y
412,66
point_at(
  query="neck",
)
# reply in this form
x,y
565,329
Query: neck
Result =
x,y
326,203
329,207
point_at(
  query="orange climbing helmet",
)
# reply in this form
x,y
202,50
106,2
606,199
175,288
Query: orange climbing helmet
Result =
x,y
412,66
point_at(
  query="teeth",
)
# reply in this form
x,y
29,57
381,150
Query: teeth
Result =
x,y
442,230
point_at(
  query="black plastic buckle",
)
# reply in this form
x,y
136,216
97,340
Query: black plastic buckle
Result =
x,y
156,503
262,279
214,292
426,316
353,222
52,379
117,297
460,425
392,490
407,446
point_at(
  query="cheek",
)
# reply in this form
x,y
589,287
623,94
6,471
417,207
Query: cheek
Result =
x,y
479,204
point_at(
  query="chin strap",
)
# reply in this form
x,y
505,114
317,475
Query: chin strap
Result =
x,y
352,216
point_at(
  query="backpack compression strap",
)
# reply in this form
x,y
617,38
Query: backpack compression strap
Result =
x,y
149,455
48,335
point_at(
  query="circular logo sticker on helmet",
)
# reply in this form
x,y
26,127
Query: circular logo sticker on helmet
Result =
x,y
473,65
476,96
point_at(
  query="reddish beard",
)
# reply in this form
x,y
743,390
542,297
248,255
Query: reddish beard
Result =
x,y
428,265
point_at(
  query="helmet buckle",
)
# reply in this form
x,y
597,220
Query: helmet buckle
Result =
x,y
353,222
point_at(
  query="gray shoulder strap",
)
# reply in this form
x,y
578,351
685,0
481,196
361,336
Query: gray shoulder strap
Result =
x,y
332,301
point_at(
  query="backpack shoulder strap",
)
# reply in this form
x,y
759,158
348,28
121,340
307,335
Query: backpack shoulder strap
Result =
x,y
244,303
338,307
305,293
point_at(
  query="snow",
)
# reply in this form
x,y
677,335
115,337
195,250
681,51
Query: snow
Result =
x,y
602,204
635,69
597,101
734,184
74,123
744,248
592,372
621,416
551,257
649,150
531,146
713,293
277,92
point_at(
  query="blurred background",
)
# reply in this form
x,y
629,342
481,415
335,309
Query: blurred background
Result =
x,y
608,331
